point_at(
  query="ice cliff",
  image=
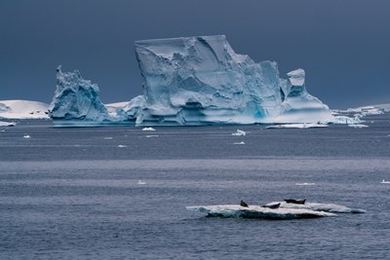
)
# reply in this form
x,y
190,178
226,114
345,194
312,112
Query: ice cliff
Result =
x,y
194,81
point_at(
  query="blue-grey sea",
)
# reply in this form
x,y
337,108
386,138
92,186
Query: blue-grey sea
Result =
x,y
120,192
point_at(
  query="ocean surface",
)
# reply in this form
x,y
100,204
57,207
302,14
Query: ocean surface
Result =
x,y
121,193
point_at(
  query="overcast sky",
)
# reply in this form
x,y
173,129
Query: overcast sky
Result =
x,y
344,45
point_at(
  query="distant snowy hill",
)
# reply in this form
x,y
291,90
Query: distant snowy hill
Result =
x,y
23,109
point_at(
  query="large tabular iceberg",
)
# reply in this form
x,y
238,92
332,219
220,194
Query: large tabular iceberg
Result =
x,y
201,80
195,81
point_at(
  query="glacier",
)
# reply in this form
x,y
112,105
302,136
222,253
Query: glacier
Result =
x,y
197,80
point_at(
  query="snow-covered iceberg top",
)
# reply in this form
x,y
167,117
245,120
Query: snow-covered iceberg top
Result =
x,y
23,109
258,212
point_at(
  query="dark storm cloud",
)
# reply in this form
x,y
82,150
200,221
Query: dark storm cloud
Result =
x,y
343,45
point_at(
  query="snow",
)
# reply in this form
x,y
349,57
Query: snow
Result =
x,y
258,212
23,109
324,207
239,133
4,123
296,126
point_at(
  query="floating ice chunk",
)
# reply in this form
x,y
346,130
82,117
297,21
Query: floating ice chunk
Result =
x,y
107,138
305,184
385,182
151,129
326,207
26,137
258,212
239,133
4,123
122,146
140,182
297,126
242,142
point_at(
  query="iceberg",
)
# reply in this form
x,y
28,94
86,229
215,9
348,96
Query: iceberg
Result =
x,y
258,212
201,80
77,99
197,80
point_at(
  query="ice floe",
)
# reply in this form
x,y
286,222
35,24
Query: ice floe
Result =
x,y
324,207
122,146
242,142
385,182
26,137
258,212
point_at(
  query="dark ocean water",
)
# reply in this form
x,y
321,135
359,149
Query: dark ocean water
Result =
x,y
74,194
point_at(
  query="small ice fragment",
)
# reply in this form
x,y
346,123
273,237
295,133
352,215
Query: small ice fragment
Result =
x,y
122,146
107,138
385,182
140,182
239,142
149,136
148,129
26,136
239,133
305,184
